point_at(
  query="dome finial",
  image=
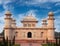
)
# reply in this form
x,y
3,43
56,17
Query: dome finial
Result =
x,y
30,14
8,12
50,13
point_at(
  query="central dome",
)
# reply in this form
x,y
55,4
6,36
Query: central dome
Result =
x,y
29,18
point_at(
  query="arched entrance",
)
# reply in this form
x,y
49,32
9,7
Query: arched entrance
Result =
x,y
29,35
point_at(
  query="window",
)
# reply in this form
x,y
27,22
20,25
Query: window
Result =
x,y
25,25
29,35
41,34
29,25
33,25
16,34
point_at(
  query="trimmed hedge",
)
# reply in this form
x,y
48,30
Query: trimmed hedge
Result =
x,y
16,45
44,44
48,44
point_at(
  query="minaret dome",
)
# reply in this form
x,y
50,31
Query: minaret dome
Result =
x,y
8,12
50,13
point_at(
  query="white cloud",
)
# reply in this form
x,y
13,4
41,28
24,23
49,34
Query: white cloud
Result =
x,y
55,0
1,27
30,12
40,1
57,23
6,5
34,2
28,1
57,11
19,18
1,21
57,4
0,1
5,1
48,0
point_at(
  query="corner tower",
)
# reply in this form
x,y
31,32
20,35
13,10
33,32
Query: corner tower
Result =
x,y
7,26
13,23
50,26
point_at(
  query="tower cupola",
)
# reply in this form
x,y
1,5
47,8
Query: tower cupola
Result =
x,y
50,13
50,25
8,12
51,20
7,26
8,19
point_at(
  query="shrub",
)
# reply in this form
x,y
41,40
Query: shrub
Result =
x,y
16,45
49,44
44,44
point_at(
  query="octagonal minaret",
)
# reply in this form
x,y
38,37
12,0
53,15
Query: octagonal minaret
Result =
x,y
7,27
13,23
50,26
8,19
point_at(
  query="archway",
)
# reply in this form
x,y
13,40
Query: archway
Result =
x,y
29,35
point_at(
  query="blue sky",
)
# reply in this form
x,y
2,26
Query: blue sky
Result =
x,y
39,9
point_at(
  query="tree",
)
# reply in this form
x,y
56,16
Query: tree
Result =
x,y
13,40
46,40
7,41
4,42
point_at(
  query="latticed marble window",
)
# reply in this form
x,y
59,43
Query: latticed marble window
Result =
x,y
16,33
33,25
29,25
25,25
